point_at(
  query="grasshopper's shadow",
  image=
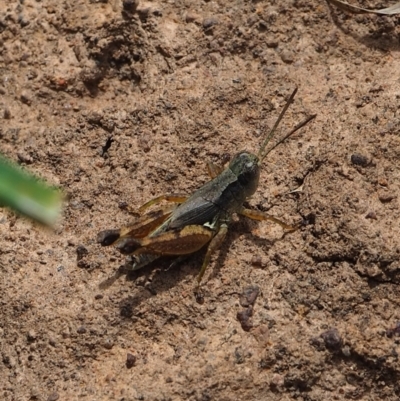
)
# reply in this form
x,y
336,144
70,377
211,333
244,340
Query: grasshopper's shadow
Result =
x,y
152,280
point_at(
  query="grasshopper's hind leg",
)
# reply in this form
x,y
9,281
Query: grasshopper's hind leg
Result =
x,y
184,242
260,216
181,243
142,227
176,242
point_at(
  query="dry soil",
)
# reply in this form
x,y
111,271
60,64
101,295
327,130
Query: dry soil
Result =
x,y
119,102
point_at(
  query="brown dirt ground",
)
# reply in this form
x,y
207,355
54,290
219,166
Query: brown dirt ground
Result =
x,y
118,103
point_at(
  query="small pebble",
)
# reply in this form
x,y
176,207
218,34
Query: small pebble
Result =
x,y
6,114
130,360
9,361
383,181
256,260
199,295
144,12
24,157
94,117
53,397
332,339
144,143
287,56
272,43
249,295
346,351
123,205
239,355
386,197
244,318
371,215
359,160
23,21
261,334
191,17
91,76
108,343
130,5
81,251
210,22
25,98
81,330
31,336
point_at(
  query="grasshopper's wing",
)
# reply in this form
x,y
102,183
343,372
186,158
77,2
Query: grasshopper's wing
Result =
x,y
204,205
196,211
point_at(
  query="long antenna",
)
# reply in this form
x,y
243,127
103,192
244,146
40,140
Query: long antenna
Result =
x,y
262,153
296,128
272,132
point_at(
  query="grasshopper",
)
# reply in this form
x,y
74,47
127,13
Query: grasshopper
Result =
x,y
192,222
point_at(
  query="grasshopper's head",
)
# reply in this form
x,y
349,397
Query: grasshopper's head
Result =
x,y
246,168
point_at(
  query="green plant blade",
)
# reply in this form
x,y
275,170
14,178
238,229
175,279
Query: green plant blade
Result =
x,y
28,195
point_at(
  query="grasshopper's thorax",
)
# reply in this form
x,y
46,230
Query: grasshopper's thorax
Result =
x,y
247,170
